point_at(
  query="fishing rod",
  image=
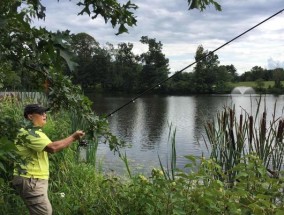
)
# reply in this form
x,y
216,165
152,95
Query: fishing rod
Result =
x,y
209,53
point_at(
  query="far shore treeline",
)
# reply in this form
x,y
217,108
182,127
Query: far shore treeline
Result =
x,y
117,69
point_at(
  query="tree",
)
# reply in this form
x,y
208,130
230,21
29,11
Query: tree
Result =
x,y
181,83
45,54
155,64
278,76
127,66
84,46
260,85
36,49
246,76
99,71
223,77
9,79
257,72
205,70
233,71
29,46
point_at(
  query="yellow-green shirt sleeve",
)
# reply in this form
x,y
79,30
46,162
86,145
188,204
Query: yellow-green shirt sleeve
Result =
x,y
37,140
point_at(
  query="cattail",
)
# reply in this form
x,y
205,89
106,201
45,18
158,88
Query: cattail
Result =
x,y
231,118
226,136
241,123
250,129
224,120
263,125
232,138
210,128
280,131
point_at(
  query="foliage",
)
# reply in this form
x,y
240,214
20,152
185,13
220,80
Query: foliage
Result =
x,y
84,46
201,5
181,83
278,75
195,192
205,70
127,68
111,11
8,78
155,64
10,121
34,50
223,77
35,53
231,138
47,54
170,171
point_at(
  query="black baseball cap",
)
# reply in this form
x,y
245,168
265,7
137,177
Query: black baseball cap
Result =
x,y
34,108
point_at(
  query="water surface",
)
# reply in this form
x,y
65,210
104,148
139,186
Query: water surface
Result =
x,y
145,124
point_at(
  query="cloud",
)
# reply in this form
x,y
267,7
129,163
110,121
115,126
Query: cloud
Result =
x,y
273,64
181,31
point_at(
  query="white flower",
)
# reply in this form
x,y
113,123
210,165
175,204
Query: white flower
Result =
x,y
62,195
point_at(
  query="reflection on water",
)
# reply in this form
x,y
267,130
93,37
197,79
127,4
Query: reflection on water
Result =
x,y
207,107
145,124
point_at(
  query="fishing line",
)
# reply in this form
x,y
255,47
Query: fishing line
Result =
x,y
209,53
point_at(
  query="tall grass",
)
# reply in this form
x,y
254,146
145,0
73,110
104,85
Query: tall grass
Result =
x,y
233,137
169,170
90,150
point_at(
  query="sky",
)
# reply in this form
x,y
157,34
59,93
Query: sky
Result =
x,y
181,30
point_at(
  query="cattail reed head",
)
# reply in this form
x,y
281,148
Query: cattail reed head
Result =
x,y
231,118
280,131
224,120
250,129
241,124
263,125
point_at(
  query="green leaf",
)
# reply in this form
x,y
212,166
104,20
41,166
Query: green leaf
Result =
x,y
192,158
193,4
67,57
122,29
202,4
3,23
217,6
2,167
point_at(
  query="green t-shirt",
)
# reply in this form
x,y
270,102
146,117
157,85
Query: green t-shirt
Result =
x,y
36,163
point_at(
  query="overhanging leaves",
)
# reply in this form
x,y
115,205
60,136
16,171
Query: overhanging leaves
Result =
x,y
111,11
202,4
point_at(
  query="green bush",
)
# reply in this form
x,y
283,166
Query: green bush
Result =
x,y
202,188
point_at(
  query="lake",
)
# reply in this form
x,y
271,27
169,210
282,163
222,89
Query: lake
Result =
x,y
145,124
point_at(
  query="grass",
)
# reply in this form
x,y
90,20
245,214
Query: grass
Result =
x,y
253,84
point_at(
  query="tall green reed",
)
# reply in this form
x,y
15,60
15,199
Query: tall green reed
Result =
x,y
170,170
124,159
77,122
232,137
